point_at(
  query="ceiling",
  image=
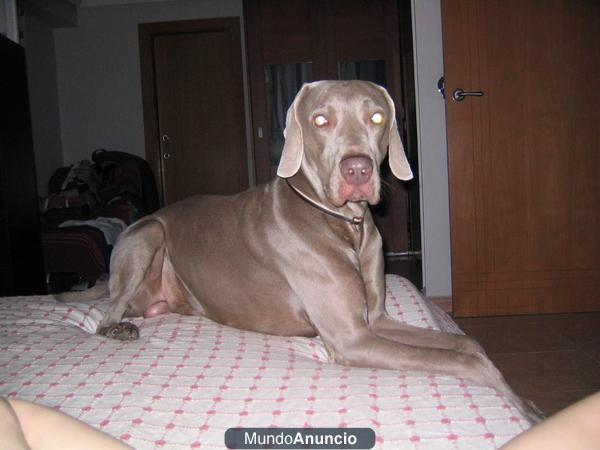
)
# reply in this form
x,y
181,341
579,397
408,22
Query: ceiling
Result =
x,y
89,3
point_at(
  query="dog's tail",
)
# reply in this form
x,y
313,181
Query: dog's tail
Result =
x,y
100,289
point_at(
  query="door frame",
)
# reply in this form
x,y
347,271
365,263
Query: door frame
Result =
x,y
146,34
318,46
324,57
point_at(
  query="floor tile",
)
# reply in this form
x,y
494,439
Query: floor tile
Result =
x,y
549,371
553,402
553,360
518,337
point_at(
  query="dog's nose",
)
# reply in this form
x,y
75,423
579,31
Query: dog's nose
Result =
x,y
356,170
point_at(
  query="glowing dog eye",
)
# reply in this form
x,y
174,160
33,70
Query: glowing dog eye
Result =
x,y
320,120
377,118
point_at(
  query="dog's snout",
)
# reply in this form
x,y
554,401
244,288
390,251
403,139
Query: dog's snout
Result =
x,y
356,170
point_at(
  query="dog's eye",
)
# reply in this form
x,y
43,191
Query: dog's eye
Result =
x,y
377,118
320,120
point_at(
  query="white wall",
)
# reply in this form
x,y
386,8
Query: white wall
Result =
x,y
8,19
98,69
433,159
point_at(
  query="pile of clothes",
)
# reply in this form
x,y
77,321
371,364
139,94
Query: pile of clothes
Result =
x,y
88,206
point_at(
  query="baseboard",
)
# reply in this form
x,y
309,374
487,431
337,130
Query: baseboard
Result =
x,y
443,302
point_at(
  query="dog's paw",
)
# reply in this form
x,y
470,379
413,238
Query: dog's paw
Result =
x,y
469,345
533,413
124,331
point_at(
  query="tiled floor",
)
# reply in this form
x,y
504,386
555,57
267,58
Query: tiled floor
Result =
x,y
553,360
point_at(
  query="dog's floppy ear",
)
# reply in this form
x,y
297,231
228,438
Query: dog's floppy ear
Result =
x,y
293,149
397,157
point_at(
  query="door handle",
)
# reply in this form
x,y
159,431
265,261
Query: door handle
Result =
x,y
459,95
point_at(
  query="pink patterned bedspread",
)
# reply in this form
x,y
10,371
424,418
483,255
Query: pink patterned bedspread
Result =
x,y
188,379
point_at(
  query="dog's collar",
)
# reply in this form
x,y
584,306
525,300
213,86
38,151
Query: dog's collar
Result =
x,y
356,220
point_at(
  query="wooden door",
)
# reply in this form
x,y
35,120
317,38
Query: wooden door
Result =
x,y
329,39
524,159
194,107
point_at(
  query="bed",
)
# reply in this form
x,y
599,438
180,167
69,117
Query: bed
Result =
x,y
187,380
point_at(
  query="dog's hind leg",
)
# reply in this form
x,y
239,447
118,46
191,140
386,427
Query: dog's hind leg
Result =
x,y
135,277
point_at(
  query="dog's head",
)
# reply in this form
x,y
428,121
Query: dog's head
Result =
x,y
338,132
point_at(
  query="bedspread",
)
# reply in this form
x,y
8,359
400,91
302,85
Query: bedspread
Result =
x,y
188,379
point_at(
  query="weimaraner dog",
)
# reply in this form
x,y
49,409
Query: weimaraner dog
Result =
x,y
299,255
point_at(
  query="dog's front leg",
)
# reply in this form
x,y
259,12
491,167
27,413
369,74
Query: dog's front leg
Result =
x,y
395,330
341,323
364,348
337,311
356,345
379,322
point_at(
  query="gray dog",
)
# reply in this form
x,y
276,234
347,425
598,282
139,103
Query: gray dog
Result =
x,y
299,255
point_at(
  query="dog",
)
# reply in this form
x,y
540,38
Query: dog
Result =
x,y
299,255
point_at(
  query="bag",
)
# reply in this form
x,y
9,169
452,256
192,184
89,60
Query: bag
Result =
x,y
149,192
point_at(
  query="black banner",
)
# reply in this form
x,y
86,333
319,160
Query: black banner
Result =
x,y
299,438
